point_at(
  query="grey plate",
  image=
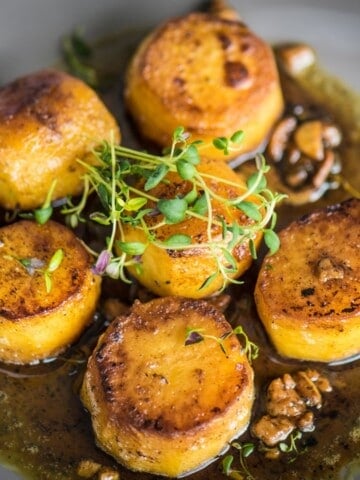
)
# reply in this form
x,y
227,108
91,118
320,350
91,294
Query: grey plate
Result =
x,y
30,31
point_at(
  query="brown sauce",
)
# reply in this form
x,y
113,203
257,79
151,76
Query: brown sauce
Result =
x,y
45,432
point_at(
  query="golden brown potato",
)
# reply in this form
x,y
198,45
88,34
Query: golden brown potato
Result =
x,y
183,272
48,120
307,294
209,74
38,321
153,400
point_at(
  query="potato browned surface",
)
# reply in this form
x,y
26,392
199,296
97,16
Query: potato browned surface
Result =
x,y
209,74
36,323
158,405
308,293
48,120
183,272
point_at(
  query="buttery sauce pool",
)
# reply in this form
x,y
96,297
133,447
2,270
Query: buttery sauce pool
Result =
x,y
45,432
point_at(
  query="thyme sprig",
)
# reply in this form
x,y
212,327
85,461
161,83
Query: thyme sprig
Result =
x,y
197,335
116,179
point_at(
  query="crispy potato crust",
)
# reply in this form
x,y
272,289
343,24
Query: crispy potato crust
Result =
x,y
308,293
36,323
153,400
48,120
209,74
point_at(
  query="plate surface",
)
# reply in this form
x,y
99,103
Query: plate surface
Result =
x,y
30,32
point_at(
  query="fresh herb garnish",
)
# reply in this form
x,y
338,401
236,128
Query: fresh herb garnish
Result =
x,y
77,53
196,335
243,473
291,447
80,60
42,214
34,264
124,180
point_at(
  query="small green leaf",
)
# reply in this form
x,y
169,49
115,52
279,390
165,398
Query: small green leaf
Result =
x,y
26,262
253,179
227,463
252,248
248,449
174,209
191,196
178,134
200,206
272,241
191,154
237,137
273,220
42,215
55,260
177,240
230,259
100,218
185,169
208,280
135,204
221,143
104,196
156,177
250,210
132,248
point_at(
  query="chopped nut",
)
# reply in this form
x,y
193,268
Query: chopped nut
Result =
x,y
296,178
331,136
272,453
323,384
306,422
314,375
108,474
88,468
286,409
282,399
280,137
325,168
308,138
272,430
308,390
296,57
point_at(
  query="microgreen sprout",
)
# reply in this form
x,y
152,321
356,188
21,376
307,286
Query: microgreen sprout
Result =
x,y
53,265
196,335
124,180
34,264
291,447
245,450
43,213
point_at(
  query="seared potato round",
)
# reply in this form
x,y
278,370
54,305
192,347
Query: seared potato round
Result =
x,y
184,272
209,74
39,319
153,400
48,120
307,294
